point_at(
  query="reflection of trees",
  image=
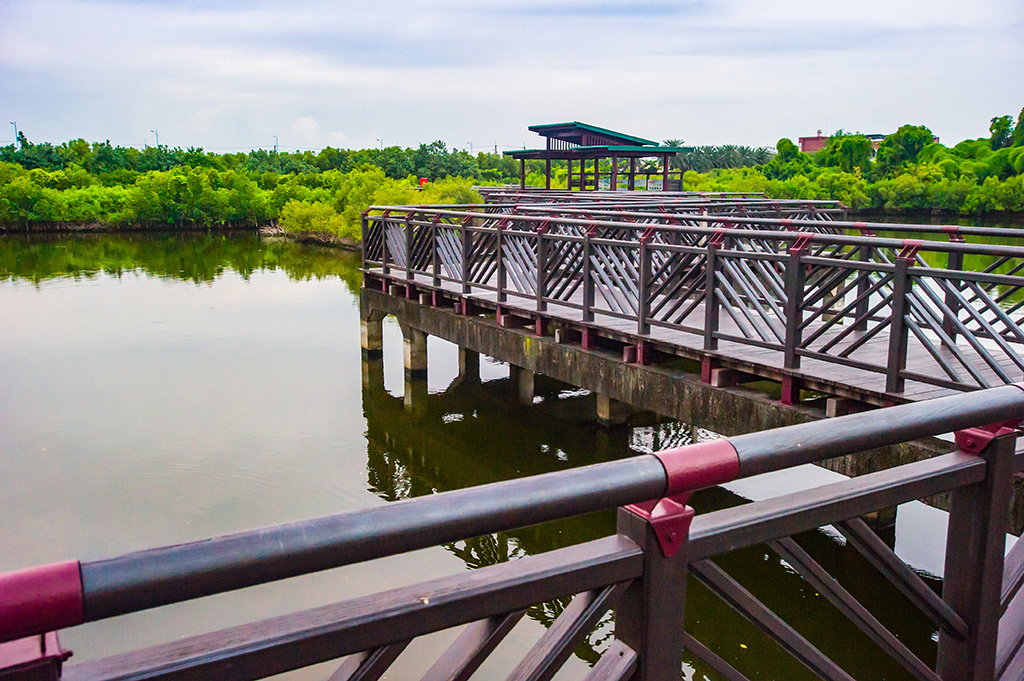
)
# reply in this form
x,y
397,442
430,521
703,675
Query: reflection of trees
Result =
x,y
200,257
410,456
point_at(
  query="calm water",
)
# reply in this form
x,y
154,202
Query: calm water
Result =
x,y
155,390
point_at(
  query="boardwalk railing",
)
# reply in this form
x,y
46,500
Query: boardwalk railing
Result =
x,y
943,315
640,573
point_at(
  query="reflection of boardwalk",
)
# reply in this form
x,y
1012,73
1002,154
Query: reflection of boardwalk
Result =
x,y
861,317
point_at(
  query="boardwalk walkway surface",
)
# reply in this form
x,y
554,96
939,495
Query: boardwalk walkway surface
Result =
x,y
811,302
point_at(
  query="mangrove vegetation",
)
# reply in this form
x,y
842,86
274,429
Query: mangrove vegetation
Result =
x,y
96,185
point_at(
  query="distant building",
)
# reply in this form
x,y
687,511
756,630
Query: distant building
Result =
x,y
809,145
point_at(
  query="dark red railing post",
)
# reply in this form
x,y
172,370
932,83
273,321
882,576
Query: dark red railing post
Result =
x,y
975,544
643,327
542,265
796,277
649,618
711,305
500,260
898,330
863,286
385,251
364,233
467,252
588,274
435,255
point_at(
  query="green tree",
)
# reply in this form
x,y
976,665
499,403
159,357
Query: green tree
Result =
x,y
1018,130
1001,130
902,147
847,152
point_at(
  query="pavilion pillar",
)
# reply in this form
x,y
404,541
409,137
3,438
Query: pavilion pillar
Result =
x,y
522,173
547,173
632,173
568,178
615,173
664,172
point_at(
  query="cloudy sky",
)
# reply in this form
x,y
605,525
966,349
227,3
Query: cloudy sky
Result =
x,y
230,75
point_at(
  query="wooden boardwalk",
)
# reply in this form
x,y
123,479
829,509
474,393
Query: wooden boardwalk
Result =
x,y
864,318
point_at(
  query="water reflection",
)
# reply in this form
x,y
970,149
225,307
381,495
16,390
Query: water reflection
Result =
x,y
159,411
199,257
476,432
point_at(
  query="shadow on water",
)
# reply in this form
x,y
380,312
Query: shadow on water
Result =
x,y
187,256
476,432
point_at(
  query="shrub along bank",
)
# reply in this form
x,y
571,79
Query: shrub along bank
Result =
x,y
329,202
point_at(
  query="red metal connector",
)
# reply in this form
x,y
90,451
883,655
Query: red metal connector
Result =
x,y
36,658
974,440
687,469
910,248
40,599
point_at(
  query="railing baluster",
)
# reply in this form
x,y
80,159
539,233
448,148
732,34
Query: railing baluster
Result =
x,y
896,360
619,663
767,621
825,584
569,629
409,227
368,666
954,261
973,573
471,648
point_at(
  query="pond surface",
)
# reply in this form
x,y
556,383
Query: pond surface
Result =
x,y
162,389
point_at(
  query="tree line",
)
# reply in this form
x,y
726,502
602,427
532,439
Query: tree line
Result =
x,y
909,172
81,183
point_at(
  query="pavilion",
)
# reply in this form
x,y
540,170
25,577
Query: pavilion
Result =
x,y
588,143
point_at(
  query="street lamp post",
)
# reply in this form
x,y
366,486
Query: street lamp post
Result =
x,y
381,142
15,124
157,133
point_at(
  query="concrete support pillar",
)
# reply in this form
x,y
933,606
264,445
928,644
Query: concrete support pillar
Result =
x,y
469,365
371,334
373,374
523,380
415,397
611,412
414,353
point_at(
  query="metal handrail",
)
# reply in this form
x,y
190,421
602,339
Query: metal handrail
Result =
x,y
160,576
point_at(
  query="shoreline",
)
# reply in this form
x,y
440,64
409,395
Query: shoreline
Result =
x,y
272,230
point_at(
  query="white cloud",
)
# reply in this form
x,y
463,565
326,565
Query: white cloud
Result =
x,y
316,72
